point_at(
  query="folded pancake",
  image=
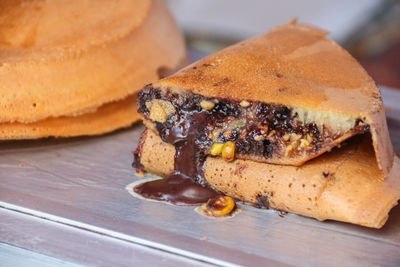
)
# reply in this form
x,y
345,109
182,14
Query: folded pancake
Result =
x,y
339,185
107,118
71,78
283,98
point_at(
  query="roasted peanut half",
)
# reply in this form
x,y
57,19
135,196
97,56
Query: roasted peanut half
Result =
x,y
228,151
219,206
216,149
244,104
207,104
160,110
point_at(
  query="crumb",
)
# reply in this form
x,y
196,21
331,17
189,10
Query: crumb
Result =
x,y
282,213
204,238
22,164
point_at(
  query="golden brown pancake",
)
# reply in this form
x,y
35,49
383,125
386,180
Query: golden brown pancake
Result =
x,y
107,118
41,83
284,97
287,120
340,185
54,25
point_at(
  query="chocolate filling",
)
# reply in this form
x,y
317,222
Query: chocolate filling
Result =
x,y
185,185
258,129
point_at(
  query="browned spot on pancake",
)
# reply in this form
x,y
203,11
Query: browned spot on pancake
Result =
x,y
279,75
328,174
240,168
221,82
262,201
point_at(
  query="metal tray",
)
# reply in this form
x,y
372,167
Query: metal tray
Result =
x,y
67,199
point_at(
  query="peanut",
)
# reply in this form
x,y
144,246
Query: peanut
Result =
x,y
219,206
286,137
294,137
216,149
228,151
160,110
258,138
244,104
208,105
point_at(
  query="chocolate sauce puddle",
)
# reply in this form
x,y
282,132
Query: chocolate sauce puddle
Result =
x,y
186,184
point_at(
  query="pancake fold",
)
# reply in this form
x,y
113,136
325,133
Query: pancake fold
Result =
x,y
341,185
287,120
284,97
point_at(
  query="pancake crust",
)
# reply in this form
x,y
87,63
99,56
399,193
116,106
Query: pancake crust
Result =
x,y
340,185
54,25
297,66
76,81
107,118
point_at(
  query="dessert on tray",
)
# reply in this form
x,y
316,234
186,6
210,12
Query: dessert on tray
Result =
x,y
287,120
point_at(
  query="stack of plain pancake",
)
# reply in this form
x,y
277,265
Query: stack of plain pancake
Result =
x,y
70,68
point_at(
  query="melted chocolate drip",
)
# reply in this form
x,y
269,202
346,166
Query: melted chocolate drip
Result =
x,y
185,185
188,131
177,189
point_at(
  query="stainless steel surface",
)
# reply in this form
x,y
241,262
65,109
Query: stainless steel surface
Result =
x,y
75,245
19,257
77,187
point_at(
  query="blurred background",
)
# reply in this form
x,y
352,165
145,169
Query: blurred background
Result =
x,y
368,29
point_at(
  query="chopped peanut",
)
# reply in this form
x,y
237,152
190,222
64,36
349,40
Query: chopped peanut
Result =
x,y
244,104
207,104
216,149
304,143
294,137
227,133
214,134
219,206
259,138
309,138
160,110
286,137
228,151
288,150
157,112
